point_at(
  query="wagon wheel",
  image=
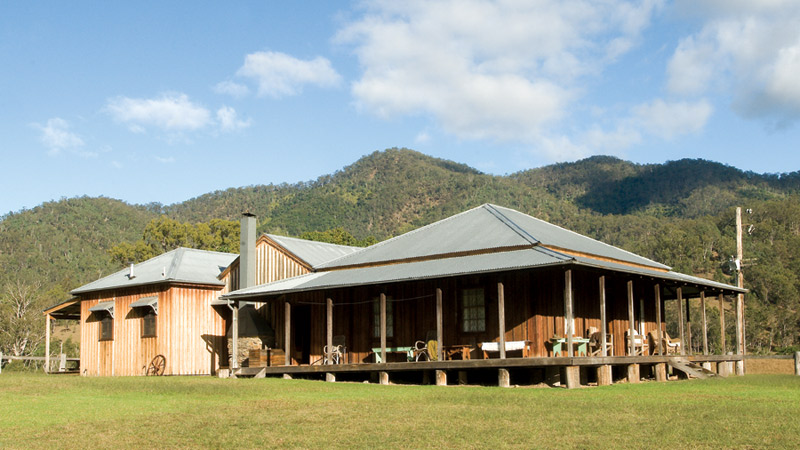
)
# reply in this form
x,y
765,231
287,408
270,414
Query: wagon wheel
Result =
x,y
157,365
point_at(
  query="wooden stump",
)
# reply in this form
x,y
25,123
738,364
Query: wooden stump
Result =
x,y
330,377
383,377
573,377
503,378
740,368
604,376
661,371
287,376
441,378
633,373
797,363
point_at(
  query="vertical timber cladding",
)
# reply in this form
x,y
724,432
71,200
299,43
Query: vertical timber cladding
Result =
x,y
188,332
273,263
193,333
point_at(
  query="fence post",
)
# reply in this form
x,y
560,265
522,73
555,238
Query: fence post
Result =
x,y
797,363
1,361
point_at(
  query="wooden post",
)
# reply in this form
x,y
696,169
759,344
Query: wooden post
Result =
x,y
573,375
287,332
661,371
722,323
441,377
568,310
659,331
503,378
740,345
796,363
631,319
383,330
328,328
603,326
501,319
1,362
46,344
604,375
680,321
383,377
633,373
688,327
439,327
235,336
705,324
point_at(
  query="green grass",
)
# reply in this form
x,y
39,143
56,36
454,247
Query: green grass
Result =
x,y
37,411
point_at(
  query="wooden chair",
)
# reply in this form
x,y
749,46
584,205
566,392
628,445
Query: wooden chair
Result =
x,y
640,345
673,345
596,346
426,350
667,345
337,353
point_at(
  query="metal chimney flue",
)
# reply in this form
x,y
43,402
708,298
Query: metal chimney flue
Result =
x,y
247,251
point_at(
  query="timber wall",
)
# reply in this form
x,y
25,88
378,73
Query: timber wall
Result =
x,y
534,311
189,333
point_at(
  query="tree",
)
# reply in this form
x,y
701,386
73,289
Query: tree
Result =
x,y
164,234
21,329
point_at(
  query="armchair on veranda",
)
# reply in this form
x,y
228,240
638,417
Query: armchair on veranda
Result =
x,y
337,352
426,350
596,343
668,345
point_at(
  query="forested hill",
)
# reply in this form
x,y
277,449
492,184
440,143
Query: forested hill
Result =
x,y
679,213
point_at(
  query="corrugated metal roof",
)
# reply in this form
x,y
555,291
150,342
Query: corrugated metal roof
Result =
x,y
483,228
455,266
669,276
555,236
180,265
437,268
313,252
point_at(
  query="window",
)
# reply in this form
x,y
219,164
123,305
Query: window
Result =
x,y
106,327
376,318
473,310
148,323
148,310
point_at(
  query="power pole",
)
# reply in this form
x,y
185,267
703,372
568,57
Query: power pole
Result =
x,y
740,347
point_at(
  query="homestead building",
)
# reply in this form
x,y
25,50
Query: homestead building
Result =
x,y
489,290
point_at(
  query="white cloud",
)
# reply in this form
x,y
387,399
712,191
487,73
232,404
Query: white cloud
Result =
x,y
170,112
668,120
278,74
165,160
229,121
56,136
231,88
422,137
748,49
488,70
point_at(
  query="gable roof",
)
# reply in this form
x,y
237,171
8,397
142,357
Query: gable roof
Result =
x,y
487,228
312,252
182,265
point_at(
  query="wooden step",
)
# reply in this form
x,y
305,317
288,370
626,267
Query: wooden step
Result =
x,y
691,369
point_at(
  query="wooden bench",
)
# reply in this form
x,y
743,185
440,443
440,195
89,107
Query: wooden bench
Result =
x,y
525,346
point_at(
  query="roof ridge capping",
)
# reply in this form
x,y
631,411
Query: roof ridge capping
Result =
x,y
494,209
579,235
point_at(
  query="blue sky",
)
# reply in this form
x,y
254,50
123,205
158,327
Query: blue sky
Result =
x,y
165,101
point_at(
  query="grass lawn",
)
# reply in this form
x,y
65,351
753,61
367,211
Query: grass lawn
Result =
x,y
38,411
